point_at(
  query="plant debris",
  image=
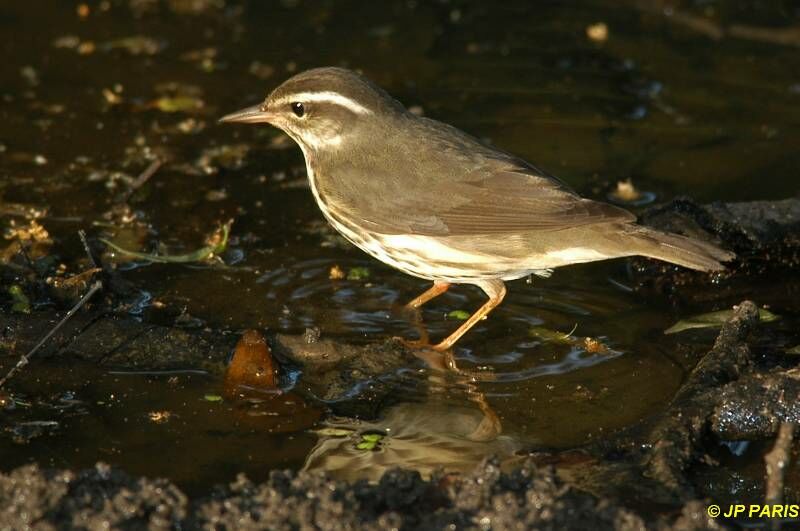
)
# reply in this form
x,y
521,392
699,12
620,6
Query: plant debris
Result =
x,y
229,156
25,358
461,315
33,232
715,320
135,45
358,273
177,104
217,244
252,366
592,345
20,302
159,417
552,336
370,441
336,273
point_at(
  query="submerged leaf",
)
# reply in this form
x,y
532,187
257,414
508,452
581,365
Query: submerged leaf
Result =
x,y
212,398
358,273
553,336
217,244
715,320
794,350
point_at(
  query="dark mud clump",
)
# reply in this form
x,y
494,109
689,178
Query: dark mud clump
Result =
x,y
765,235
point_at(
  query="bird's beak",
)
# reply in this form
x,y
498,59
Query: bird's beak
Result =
x,y
250,115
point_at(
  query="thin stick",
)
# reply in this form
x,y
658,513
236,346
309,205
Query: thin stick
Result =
x,y
86,247
142,178
777,461
26,357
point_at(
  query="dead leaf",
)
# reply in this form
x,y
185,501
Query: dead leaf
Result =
x,y
715,320
251,365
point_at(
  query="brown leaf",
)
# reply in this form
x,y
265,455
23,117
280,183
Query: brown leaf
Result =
x,y
251,365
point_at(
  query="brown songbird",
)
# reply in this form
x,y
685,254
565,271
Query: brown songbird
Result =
x,y
439,204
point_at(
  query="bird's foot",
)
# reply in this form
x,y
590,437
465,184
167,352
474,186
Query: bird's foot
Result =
x,y
422,344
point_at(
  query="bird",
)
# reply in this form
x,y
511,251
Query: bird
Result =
x,y
437,203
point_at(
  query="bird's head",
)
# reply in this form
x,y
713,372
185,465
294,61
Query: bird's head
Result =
x,y
323,108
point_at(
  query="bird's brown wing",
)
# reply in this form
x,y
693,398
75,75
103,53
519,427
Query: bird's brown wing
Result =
x,y
492,200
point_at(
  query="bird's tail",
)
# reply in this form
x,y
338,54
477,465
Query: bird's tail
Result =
x,y
680,250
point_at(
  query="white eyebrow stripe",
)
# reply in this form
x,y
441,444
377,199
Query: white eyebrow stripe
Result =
x,y
327,97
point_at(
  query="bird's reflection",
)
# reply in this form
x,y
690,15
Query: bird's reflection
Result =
x,y
452,428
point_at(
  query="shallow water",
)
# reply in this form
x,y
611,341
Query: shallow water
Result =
x,y
675,110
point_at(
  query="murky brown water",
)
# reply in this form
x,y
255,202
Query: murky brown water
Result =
x,y
84,104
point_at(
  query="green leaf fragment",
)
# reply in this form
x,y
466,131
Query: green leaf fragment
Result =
x,y
370,441
461,315
20,302
358,273
715,320
199,255
553,336
212,398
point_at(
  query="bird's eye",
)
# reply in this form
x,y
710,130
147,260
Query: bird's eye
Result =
x,y
298,109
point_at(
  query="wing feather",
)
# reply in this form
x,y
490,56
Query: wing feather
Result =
x,y
437,181
496,202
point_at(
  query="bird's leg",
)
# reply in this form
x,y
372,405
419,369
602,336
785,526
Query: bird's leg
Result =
x,y
434,291
496,290
422,331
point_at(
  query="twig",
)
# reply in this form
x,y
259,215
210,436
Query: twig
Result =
x,y
777,460
26,357
86,247
789,36
142,179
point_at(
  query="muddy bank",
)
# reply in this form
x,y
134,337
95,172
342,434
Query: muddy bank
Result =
x,y
765,235
529,497
573,490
